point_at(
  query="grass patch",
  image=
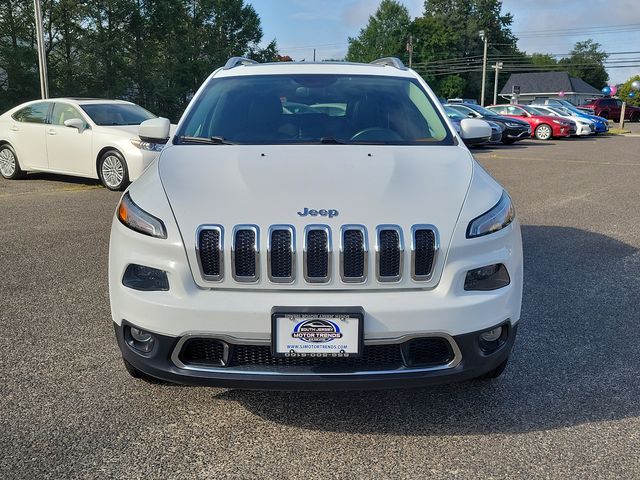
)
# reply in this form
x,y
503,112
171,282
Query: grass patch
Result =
x,y
618,131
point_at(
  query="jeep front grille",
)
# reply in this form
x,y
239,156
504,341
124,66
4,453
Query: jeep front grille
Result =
x,y
317,267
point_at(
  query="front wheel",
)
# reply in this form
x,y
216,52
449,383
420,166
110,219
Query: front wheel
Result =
x,y
508,141
635,117
9,166
543,132
113,171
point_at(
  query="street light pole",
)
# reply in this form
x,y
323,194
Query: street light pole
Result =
x,y
483,36
42,59
498,67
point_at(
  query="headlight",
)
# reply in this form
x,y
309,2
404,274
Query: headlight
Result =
x,y
511,124
558,122
501,215
132,216
151,147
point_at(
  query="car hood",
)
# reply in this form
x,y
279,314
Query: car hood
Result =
x,y
500,118
267,185
128,130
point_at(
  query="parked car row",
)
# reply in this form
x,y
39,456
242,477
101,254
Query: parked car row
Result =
x,y
555,118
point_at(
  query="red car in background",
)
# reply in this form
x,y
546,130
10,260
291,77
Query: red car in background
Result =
x,y
611,108
543,127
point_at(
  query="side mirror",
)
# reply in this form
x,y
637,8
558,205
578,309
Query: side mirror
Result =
x,y
155,130
75,123
474,131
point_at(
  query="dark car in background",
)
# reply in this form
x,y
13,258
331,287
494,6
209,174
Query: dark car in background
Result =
x,y
611,108
513,128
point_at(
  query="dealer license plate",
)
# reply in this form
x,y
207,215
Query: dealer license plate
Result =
x,y
317,334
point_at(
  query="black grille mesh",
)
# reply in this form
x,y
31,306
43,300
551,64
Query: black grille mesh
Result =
x,y
209,246
419,352
202,351
245,254
317,255
353,253
427,352
281,262
425,250
389,265
374,357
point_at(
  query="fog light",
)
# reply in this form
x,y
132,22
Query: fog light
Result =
x,y
138,339
492,340
145,279
491,335
487,278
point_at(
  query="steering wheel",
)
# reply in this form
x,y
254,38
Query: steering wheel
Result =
x,y
376,134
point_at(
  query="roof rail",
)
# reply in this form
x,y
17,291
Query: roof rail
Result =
x,y
390,62
237,61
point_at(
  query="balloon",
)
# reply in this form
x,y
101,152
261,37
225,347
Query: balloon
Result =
x,y
635,84
632,94
561,93
613,89
606,90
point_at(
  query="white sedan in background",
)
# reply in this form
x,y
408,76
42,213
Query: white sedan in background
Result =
x,y
584,126
89,138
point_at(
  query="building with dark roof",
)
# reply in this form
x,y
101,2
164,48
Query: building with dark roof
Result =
x,y
544,85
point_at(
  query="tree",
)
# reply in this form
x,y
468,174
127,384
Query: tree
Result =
x,y
448,42
385,35
586,61
625,89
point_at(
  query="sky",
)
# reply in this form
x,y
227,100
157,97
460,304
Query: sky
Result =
x,y
301,25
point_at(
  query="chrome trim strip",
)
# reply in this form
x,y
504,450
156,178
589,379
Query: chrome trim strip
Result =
x,y
292,249
365,247
220,230
327,230
379,229
436,250
256,249
457,357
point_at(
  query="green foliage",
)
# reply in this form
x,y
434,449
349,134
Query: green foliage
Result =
x,y
625,89
586,62
385,35
452,86
153,52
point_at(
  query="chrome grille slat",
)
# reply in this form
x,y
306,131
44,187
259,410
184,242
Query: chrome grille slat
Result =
x,y
210,252
317,253
245,253
354,250
281,253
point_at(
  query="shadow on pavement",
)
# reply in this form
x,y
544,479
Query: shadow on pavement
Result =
x,y
575,361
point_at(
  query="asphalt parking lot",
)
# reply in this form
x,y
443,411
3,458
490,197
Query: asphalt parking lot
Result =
x,y
567,407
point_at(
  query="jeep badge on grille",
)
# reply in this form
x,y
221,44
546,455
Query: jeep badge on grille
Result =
x,y
322,212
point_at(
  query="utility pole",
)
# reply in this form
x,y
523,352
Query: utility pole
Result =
x,y
483,36
410,50
42,57
498,67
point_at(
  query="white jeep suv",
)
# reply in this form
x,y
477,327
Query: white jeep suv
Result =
x,y
315,226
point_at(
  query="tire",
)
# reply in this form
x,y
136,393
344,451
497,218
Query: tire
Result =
x,y
496,372
135,373
604,115
543,132
9,165
635,117
509,141
113,171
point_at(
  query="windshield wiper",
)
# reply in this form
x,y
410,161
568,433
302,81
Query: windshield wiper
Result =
x,y
332,141
206,141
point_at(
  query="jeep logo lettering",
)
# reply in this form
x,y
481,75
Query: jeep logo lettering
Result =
x,y
315,213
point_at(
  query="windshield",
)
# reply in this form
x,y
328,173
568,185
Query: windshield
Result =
x,y
113,114
454,114
481,110
290,109
537,111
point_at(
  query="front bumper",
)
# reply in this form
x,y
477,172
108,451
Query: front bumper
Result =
x,y
513,133
471,362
